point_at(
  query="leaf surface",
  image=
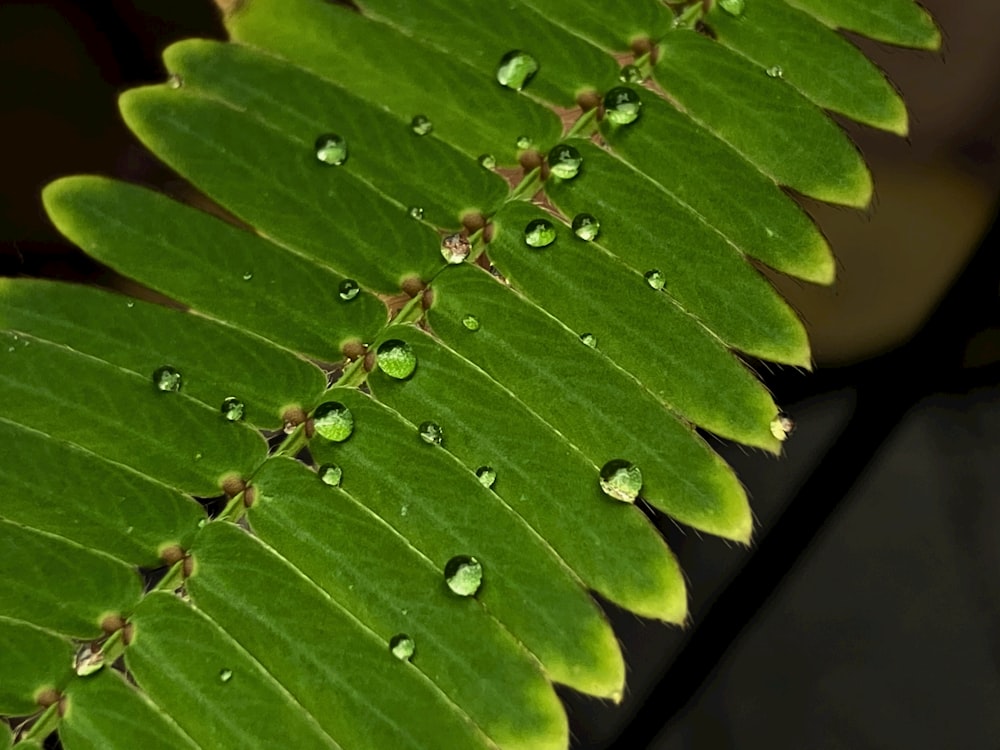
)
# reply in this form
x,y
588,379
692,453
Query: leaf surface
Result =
x,y
901,22
33,660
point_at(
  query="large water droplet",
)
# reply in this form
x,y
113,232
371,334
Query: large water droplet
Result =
x,y
88,661
334,421
487,476
464,575
539,233
402,647
167,379
431,432
524,141
331,149
516,69
488,161
622,105
471,322
225,675
233,409
586,227
733,7
348,289
782,426
589,339
630,74
621,480
421,125
416,212
564,161
455,248
655,279
396,359
775,71
330,474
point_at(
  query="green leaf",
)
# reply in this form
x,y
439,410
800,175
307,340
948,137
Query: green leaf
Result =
x,y
901,22
33,660
607,23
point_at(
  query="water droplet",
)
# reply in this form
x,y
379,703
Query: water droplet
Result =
x,y
416,212
621,480
88,661
233,409
488,161
421,125
130,304
655,279
524,141
586,227
630,74
333,421
225,675
464,575
539,233
487,476
733,7
331,149
471,322
589,339
455,248
565,161
348,289
430,432
175,81
248,275
330,474
396,359
167,379
202,522
516,69
622,105
404,511
775,71
782,426
402,647
198,456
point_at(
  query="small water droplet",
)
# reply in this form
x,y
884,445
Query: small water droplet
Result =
x,y
733,7
464,575
175,81
622,105
455,248
621,480
331,149
248,275
404,510
524,141
471,322
401,646
431,432
198,456
225,675
348,289
333,421
655,279
516,69
88,661
416,212
782,426
487,476
586,227
488,161
539,233
630,74
589,339
564,161
396,359
233,409
202,522
330,474
130,304
775,71
421,125
167,379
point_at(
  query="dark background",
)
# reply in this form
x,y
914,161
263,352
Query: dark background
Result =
x,y
867,611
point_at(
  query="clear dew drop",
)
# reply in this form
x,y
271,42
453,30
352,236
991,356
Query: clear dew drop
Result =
x,y
464,575
130,304
524,141
348,289
775,71
175,81
330,474
421,125
539,233
621,480
334,421
233,409
431,432
88,661
402,647
589,339
471,322
586,227
655,279
247,275
416,212
455,248
516,69
487,476
564,161
487,161
733,7
225,675
782,426
167,379
331,149
396,359
622,105
630,74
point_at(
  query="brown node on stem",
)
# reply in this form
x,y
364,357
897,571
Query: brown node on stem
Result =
x,y
233,485
412,286
428,299
353,349
473,221
112,623
369,364
249,496
644,46
48,697
128,632
530,159
588,100
488,233
292,417
187,567
173,554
